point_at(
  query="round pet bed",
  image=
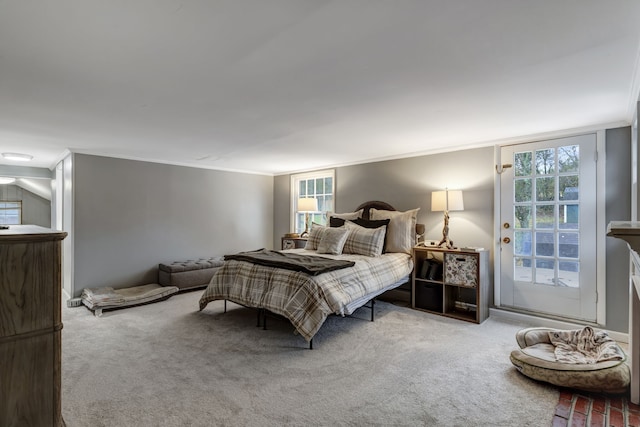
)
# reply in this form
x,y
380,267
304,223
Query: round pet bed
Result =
x,y
536,359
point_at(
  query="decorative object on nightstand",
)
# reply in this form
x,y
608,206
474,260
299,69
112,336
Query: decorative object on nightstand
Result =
x,y
293,242
445,201
451,282
306,205
420,230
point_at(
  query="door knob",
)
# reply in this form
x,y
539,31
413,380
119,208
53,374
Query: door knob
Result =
x,y
506,240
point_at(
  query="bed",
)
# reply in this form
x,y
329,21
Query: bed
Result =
x,y
306,299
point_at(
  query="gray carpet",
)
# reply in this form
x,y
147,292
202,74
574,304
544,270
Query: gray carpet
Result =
x,y
166,364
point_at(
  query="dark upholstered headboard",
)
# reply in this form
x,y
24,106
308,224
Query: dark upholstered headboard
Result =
x,y
366,206
383,206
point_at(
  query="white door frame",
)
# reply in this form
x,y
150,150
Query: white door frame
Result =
x,y
601,225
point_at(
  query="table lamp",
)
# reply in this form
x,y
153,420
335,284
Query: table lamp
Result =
x,y
445,201
306,205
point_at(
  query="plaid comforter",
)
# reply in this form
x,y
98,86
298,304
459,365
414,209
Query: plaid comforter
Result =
x,y
305,300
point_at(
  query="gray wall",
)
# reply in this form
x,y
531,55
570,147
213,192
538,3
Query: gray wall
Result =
x,y
407,183
129,216
35,209
281,208
618,208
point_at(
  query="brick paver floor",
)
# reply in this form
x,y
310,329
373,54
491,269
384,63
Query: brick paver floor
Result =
x,y
586,409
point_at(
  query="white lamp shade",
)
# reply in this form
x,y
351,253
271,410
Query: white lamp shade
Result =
x,y
307,204
454,201
447,200
438,201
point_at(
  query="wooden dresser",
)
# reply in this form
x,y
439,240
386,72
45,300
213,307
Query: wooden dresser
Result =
x,y
30,326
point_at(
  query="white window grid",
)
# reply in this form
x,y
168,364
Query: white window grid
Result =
x,y
306,185
10,212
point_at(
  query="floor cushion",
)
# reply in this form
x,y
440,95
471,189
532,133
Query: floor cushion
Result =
x,y
536,359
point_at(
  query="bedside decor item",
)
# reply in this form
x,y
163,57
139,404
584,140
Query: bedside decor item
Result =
x,y
445,201
306,205
293,242
420,230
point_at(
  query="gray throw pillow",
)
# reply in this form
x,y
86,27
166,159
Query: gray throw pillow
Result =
x,y
332,240
364,241
315,235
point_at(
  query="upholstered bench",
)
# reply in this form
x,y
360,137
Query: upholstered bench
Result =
x,y
191,274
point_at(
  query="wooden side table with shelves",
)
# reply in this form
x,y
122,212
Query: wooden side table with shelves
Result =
x,y
451,282
294,242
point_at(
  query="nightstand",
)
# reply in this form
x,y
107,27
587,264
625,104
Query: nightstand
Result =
x,y
294,242
451,282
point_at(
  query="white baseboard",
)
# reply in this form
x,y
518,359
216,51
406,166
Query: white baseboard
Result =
x,y
551,323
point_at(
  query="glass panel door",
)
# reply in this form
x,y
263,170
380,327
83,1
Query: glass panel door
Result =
x,y
548,228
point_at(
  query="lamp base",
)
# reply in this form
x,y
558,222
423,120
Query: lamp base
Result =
x,y
305,233
446,242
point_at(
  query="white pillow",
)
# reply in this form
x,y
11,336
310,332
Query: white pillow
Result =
x,y
401,232
332,240
346,215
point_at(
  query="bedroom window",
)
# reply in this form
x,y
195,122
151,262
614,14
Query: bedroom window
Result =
x,y
319,185
10,212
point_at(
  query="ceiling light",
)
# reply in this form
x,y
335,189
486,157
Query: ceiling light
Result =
x,y
17,157
6,180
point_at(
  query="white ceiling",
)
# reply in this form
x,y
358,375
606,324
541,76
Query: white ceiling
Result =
x,y
274,86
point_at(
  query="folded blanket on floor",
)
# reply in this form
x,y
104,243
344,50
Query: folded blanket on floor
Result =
x,y
584,346
309,264
109,297
102,296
